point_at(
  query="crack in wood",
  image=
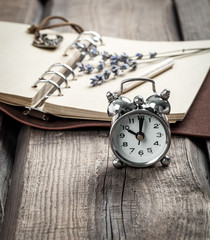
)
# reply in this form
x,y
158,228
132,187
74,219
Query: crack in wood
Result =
x,y
46,8
122,198
111,228
1,211
177,20
105,193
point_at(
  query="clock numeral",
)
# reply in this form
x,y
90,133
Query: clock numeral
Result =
x,y
131,120
140,117
149,150
156,143
159,134
132,149
125,127
122,135
149,119
141,153
156,125
125,144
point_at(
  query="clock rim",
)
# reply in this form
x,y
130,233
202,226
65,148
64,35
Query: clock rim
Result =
x,y
165,124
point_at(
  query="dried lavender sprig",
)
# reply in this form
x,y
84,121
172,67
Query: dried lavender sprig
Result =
x,y
129,62
88,68
100,66
97,80
93,52
100,78
175,53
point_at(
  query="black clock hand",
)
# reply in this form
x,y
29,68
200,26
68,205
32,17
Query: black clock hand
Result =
x,y
141,121
130,131
140,134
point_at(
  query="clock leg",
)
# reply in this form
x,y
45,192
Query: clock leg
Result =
x,y
118,164
166,161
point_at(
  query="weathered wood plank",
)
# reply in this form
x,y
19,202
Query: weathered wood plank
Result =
x,y
64,184
22,11
70,190
208,146
15,191
64,171
194,21
8,137
142,20
25,12
194,18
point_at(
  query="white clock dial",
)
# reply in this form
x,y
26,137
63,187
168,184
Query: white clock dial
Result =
x,y
140,138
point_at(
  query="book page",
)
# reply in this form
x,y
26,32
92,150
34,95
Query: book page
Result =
x,y
183,80
21,64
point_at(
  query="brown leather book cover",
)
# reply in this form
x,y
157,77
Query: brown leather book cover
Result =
x,y
54,123
196,122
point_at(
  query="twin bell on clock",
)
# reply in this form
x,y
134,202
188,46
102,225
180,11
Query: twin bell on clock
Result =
x,y
140,133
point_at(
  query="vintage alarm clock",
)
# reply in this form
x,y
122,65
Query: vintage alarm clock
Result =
x,y
140,133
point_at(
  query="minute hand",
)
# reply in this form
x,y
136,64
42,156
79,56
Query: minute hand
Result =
x,y
141,121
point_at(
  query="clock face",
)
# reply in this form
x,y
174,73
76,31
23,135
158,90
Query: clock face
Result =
x,y
140,138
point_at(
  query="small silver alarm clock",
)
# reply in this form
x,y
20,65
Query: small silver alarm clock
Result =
x,y
140,133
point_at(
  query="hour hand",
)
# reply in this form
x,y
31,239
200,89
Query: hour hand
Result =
x,y
130,131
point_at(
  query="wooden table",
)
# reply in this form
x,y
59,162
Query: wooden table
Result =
x,y
62,183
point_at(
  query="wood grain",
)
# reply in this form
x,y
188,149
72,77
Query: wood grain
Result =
x,y
8,138
25,12
64,185
194,21
142,20
68,189
194,18
22,11
15,192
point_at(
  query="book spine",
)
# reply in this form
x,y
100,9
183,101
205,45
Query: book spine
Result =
x,y
54,78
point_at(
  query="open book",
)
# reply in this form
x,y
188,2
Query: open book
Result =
x,y
22,64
